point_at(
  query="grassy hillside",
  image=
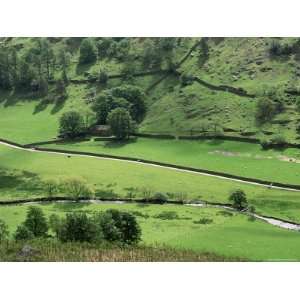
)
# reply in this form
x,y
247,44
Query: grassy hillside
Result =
x,y
171,106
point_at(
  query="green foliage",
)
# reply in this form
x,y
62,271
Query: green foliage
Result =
x,y
239,199
265,110
88,51
122,227
36,222
23,233
160,197
4,233
103,77
120,123
76,188
204,221
51,187
71,124
135,97
167,215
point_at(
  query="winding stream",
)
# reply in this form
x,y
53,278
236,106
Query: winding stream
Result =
x,y
269,220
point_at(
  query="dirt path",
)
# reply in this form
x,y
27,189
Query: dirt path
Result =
x,y
153,164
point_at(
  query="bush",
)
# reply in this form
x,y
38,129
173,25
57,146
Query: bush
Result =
x,y
23,233
186,79
36,222
279,140
160,197
167,215
204,221
78,227
71,124
4,233
51,187
123,226
77,188
239,199
265,110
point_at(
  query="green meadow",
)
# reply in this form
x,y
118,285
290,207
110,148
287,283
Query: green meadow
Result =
x,y
227,235
238,158
23,175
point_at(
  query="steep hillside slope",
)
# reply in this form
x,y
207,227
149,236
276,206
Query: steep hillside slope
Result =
x,y
191,85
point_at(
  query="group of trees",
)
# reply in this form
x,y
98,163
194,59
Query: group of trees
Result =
x,y
111,226
121,108
92,49
72,187
158,51
32,68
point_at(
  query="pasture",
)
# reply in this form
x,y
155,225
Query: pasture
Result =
x,y
23,175
227,235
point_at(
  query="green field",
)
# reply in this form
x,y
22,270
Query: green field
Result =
x,y
25,120
232,236
23,174
238,158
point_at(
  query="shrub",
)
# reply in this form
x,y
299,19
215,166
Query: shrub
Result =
x,y
265,143
51,187
160,197
279,140
239,199
71,124
265,110
204,221
23,233
120,226
55,223
146,192
4,233
77,188
78,227
186,79
167,215
36,222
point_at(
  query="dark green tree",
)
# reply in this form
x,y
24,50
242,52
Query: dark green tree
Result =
x,y
71,124
78,227
239,199
120,122
87,51
36,221
23,233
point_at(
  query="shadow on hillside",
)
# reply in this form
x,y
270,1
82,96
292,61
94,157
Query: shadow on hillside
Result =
x,y
20,180
42,105
11,98
59,104
82,68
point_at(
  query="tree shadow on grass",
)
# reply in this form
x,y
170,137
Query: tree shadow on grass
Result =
x,y
119,144
41,106
215,142
16,180
59,104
